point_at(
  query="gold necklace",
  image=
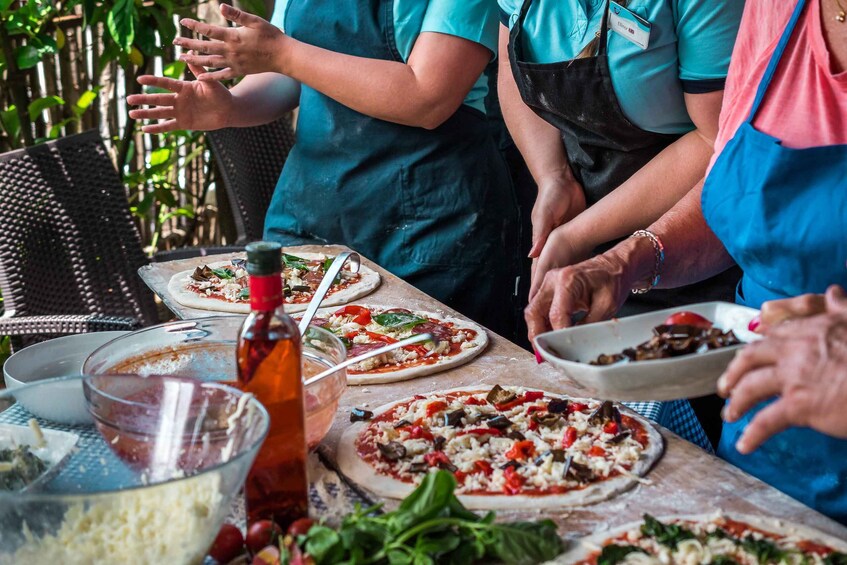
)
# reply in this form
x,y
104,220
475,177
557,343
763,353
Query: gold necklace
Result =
x,y
842,14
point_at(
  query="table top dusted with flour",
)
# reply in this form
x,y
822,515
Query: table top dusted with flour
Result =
x,y
685,481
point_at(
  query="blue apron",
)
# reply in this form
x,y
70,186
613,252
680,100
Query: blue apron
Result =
x,y
782,215
434,207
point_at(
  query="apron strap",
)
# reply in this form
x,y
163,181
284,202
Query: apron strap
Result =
x,y
604,30
514,33
775,58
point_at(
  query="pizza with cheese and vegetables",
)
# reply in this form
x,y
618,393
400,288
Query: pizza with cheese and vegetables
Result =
x,y
222,286
366,328
715,539
508,447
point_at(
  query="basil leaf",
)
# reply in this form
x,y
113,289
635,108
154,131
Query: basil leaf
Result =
x,y
613,554
294,262
398,320
524,542
223,273
324,544
764,550
836,558
328,263
723,560
666,534
347,343
426,502
244,294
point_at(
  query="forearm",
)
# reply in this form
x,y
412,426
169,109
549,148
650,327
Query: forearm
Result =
x,y
539,142
692,251
645,196
388,90
262,98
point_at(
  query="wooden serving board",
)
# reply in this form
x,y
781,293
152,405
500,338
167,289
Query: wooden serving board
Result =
x,y
686,481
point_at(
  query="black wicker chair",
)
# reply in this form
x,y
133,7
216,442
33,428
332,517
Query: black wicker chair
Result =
x,y
69,250
250,161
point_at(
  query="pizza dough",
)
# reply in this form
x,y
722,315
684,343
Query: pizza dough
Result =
x,y
584,549
368,281
474,347
364,474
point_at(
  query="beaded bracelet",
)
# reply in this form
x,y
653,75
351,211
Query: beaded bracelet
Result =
x,y
659,249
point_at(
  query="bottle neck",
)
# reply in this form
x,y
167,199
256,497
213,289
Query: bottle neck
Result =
x,y
265,292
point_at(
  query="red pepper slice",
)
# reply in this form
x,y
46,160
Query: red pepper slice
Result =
x,y
576,407
417,432
435,458
380,337
511,404
532,426
460,477
435,407
569,437
533,395
481,432
351,335
535,408
362,315
611,428
483,467
597,451
474,401
521,451
514,481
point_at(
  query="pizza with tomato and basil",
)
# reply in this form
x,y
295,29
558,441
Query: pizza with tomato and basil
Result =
x,y
365,328
222,286
508,447
715,539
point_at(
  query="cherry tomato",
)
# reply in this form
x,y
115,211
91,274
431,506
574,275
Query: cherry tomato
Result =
x,y
417,432
460,477
268,555
576,407
436,458
228,545
261,534
688,319
300,527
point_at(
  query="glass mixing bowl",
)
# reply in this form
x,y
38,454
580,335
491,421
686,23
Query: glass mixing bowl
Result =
x,y
151,482
205,349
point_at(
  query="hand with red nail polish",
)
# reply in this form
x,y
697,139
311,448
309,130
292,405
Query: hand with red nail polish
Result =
x,y
803,363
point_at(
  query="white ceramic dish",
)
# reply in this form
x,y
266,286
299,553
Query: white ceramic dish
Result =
x,y
63,356
56,449
570,350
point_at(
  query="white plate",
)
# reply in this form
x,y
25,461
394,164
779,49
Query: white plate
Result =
x,y
64,356
57,447
570,350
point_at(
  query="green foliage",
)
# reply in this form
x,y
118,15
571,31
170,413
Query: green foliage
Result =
x,y
666,534
431,526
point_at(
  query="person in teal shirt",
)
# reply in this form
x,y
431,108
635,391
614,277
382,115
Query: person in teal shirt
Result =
x,y
394,156
614,106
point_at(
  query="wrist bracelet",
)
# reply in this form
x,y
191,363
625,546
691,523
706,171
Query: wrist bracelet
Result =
x,y
659,250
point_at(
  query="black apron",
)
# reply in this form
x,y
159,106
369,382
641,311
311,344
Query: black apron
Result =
x,y
434,207
604,147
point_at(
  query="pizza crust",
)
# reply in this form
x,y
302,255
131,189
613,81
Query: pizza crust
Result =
x,y
584,548
360,472
368,282
464,356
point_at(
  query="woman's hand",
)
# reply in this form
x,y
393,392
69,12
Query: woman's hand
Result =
x,y
597,287
194,105
562,249
560,198
804,362
257,46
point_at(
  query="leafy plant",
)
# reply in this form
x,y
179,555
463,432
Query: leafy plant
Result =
x,y
613,554
430,526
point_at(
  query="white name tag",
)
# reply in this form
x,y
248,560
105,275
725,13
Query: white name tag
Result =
x,y
629,25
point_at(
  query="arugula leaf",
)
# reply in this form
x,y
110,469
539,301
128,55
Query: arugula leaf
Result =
x,y
223,273
835,558
764,550
398,320
294,262
613,553
524,542
666,534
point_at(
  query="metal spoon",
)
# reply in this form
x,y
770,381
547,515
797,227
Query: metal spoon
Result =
x,y
326,283
368,354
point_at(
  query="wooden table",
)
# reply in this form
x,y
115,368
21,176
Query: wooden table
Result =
x,y
687,480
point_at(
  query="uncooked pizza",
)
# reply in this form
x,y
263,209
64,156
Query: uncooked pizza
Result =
x,y
222,286
508,447
717,539
365,328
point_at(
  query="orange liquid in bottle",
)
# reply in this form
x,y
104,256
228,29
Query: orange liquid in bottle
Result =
x,y
269,366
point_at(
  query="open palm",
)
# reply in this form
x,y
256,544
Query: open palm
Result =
x,y
194,105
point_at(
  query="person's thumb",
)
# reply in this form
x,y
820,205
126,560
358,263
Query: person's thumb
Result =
x,y
836,299
195,70
540,233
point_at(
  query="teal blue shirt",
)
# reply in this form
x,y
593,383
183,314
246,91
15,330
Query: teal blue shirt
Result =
x,y
689,50
474,20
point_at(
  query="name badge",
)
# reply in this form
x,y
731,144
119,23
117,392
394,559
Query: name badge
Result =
x,y
629,25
